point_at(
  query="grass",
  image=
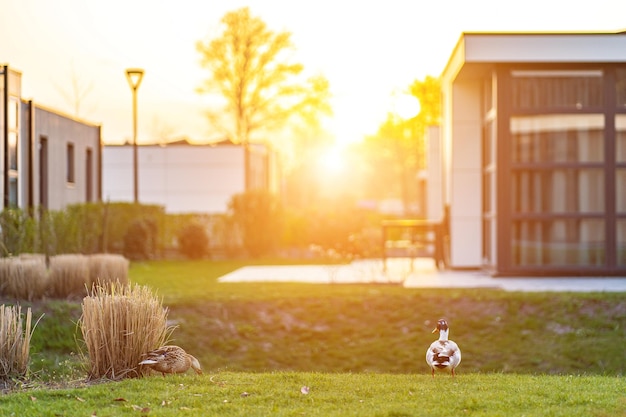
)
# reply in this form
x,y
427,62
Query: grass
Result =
x,y
384,328
359,347
279,394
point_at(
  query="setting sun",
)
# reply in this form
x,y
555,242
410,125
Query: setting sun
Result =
x,y
332,160
406,106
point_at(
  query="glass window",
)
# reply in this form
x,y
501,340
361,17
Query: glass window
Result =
x,y
13,190
12,124
620,138
579,242
567,190
13,112
13,150
620,190
558,138
621,242
572,89
488,143
620,158
620,88
70,162
488,192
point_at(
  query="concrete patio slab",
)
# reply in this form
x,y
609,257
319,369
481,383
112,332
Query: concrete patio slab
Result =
x,y
417,273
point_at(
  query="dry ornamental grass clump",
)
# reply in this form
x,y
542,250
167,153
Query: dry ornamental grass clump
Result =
x,y
15,338
23,278
107,268
69,275
119,325
27,276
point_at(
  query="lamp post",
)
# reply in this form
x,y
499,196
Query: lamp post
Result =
x,y
134,77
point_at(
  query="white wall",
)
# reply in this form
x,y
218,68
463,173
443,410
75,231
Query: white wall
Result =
x,y
434,172
465,181
182,178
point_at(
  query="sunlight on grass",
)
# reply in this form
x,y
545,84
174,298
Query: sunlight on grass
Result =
x,y
281,394
359,349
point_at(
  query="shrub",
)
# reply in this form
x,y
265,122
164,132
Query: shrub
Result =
x,y
193,241
119,324
258,216
140,239
225,237
15,338
17,231
69,276
60,232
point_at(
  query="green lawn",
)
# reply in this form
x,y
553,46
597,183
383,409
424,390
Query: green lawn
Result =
x,y
343,394
360,348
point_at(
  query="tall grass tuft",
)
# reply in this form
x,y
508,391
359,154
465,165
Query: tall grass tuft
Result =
x,y
14,342
23,278
107,268
69,276
119,324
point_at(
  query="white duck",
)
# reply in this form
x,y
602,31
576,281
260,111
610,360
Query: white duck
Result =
x,y
443,354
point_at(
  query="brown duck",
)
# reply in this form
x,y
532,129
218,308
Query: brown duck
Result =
x,y
171,360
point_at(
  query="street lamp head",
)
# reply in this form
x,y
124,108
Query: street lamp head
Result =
x,y
134,76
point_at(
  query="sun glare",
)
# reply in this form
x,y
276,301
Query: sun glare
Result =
x,y
331,161
406,106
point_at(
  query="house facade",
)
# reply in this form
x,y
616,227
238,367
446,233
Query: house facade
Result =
x,y
47,160
186,178
534,145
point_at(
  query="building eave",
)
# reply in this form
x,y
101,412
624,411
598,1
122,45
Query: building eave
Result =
x,y
484,49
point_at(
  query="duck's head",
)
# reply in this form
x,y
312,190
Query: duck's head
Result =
x,y
442,325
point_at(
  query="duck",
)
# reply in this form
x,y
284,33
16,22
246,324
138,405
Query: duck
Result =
x,y
171,359
443,354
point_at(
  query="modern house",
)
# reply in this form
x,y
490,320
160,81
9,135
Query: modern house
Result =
x,y
186,178
534,153
47,160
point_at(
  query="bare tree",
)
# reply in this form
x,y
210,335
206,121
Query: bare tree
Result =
x,y
78,92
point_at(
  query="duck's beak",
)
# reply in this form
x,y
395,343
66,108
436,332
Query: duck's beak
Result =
x,y
435,330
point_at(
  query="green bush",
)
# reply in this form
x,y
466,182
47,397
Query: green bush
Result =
x,y
17,232
193,241
117,218
334,226
137,240
257,215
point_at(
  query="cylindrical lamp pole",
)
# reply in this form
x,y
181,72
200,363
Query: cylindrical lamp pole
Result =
x,y
134,77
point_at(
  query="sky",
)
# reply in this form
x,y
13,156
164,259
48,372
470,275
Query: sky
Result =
x,y
368,50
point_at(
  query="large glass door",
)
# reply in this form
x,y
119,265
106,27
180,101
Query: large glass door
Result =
x,y
558,190
620,188
566,176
